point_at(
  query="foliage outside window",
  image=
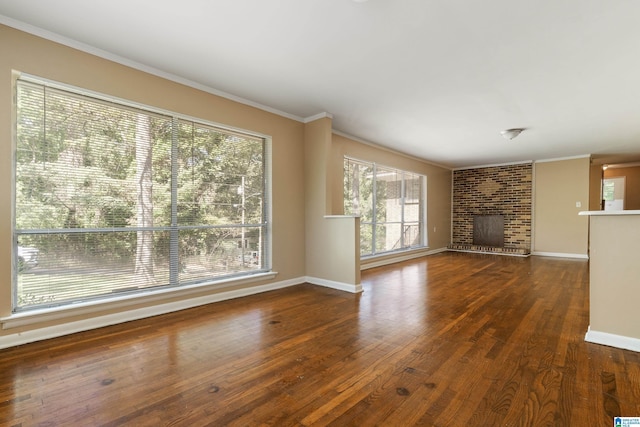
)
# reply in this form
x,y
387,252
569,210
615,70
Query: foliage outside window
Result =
x,y
390,203
112,199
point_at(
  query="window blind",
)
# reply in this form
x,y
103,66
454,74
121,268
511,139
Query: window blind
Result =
x,y
112,199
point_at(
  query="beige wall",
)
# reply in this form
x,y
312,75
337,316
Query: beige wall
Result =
x,y
306,179
631,185
32,55
595,188
332,243
614,284
558,229
438,183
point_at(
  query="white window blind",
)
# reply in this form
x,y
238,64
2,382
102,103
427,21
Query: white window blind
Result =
x,y
112,199
390,203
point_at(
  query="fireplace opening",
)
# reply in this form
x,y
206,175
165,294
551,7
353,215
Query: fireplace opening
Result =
x,y
488,230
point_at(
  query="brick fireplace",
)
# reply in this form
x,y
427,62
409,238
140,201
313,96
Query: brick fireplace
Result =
x,y
493,192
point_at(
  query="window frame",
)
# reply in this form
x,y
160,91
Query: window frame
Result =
x,y
374,223
217,281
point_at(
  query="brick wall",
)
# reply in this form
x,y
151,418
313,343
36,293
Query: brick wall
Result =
x,y
496,190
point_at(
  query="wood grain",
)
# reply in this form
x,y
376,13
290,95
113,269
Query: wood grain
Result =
x,y
452,339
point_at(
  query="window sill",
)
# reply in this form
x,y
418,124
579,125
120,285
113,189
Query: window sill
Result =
x,y
386,258
397,252
44,315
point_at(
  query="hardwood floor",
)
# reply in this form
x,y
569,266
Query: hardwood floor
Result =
x,y
452,339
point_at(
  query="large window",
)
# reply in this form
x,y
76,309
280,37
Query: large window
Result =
x,y
113,199
390,203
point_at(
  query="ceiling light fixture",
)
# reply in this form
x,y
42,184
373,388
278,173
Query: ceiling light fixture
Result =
x,y
511,133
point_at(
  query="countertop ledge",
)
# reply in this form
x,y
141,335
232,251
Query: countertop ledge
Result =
x,y
609,213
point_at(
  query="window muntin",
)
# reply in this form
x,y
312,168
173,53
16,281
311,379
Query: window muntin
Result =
x,y
112,199
390,203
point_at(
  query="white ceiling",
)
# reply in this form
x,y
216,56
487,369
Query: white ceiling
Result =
x,y
436,79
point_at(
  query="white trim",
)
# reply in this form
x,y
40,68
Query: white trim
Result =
x,y
623,165
524,162
560,255
560,159
74,44
347,287
612,340
390,150
39,334
404,256
317,117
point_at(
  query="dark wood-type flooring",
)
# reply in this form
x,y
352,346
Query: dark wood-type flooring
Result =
x,y
453,339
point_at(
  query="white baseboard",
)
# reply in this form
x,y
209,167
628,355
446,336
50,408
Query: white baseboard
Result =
x,y
400,257
612,340
347,287
47,332
560,255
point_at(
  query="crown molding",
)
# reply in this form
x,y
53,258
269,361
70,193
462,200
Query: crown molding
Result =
x,y
317,117
74,44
